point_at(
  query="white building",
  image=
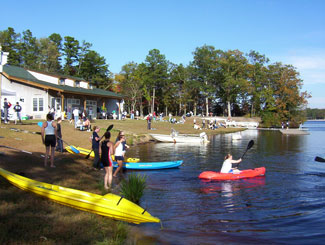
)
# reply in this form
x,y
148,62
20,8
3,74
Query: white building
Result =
x,y
37,92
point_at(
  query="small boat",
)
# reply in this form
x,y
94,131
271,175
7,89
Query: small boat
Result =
x,y
248,173
150,165
109,205
133,163
180,138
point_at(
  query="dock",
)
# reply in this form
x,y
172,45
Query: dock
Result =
x,y
293,132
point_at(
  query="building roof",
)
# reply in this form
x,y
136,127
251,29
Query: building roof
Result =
x,y
22,75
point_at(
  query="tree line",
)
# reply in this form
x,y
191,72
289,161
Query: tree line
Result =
x,y
218,82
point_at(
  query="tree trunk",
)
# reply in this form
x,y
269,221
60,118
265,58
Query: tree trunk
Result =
x,y
141,110
166,111
229,109
207,106
194,108
153,100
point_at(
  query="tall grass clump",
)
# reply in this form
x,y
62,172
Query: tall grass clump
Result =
x,y
132,188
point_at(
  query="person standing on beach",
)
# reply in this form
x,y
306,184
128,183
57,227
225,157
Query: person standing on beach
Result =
x,y
17,109
106,149
120,148
59,146
49,135
95,147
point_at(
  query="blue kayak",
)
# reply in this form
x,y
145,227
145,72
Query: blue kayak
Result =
x,y
150,165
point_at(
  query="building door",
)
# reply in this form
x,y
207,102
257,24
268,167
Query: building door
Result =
x,y
91,108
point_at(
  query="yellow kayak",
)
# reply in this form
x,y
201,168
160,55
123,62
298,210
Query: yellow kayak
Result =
x,y
110,205
92,154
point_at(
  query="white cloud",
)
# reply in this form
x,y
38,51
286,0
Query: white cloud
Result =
x,y
309,63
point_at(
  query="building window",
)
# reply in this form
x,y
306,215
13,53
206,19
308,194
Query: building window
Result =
x,y
38,104
62,81
77,84
73,101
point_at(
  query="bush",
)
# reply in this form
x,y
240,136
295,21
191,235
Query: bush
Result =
x,y
133,187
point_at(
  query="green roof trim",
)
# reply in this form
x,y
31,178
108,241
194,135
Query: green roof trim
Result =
x,y
21,73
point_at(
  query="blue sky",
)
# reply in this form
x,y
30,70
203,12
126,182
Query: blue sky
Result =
x,y
288,31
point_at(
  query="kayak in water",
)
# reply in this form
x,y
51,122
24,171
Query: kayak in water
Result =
x,y
248,173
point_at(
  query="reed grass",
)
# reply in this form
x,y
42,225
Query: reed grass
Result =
x,y
133,187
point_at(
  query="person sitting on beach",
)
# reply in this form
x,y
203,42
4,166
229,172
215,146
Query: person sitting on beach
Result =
x,y
227,165
196,126
86,124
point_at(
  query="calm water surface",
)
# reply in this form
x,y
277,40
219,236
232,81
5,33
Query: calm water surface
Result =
x,y
284,207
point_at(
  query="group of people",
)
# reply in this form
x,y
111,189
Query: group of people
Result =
x,y
104,151
209,125
17,108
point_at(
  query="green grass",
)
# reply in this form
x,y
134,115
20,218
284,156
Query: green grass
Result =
x,y
133,187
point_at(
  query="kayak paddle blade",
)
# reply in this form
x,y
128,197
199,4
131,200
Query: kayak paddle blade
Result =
x,y
319,159
75,150
109,127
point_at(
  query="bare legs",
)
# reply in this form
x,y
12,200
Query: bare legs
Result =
x,y
47,155
120,165
108,177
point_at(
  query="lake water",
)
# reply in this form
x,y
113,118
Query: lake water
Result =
x,y
287,206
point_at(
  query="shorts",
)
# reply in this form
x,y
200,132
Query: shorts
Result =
x,y
119,158
50,140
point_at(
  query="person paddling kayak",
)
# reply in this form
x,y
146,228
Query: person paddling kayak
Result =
x,y
227,165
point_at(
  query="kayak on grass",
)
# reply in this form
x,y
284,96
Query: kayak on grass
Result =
x,y
92,154
110,205
133,163
248,173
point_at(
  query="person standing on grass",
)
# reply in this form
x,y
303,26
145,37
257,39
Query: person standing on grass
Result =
x,y
120,148
6,106
59,146
95,147
106,149
49,135
75,116
17,109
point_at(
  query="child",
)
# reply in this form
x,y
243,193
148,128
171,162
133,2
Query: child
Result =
x,y
107,150
227,165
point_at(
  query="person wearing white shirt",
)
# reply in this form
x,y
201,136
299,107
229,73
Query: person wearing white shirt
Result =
x,y
75,116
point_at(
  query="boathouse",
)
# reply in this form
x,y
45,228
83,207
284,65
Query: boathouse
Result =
x,y
37,92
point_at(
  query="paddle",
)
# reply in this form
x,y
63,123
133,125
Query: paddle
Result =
x,y
28,152
108,129
319,159
250,145
75,150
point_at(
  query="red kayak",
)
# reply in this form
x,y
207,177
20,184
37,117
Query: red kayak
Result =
x,y
248,173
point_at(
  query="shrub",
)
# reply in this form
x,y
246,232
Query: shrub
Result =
x,y
132,188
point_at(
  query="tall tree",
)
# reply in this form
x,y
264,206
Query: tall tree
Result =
x,y
49,55
155,77
205,70
84,49
9,40
70,51
29,50
234,81
57,40
257,76
95,70
131,84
